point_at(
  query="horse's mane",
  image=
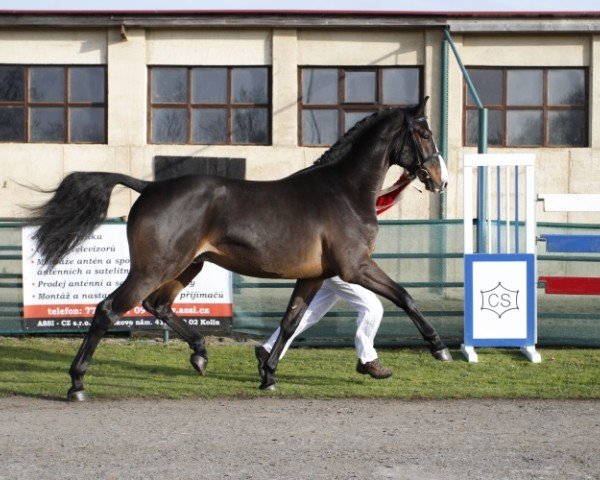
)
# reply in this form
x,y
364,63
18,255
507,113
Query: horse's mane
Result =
x,y
344,143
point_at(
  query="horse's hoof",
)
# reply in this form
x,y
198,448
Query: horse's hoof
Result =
x,y
76,395
442,355
268,387
199,363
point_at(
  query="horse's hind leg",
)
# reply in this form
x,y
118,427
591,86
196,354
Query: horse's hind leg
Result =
x,y
303,293
374,279
108,311
159,303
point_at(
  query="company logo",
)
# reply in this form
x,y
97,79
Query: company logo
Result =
x,y
499,300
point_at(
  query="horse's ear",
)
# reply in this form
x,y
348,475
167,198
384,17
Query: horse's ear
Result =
x,y
421,107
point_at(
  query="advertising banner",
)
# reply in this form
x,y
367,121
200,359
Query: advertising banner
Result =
x,y
65,297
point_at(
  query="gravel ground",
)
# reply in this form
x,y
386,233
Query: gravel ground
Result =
x,y
286,438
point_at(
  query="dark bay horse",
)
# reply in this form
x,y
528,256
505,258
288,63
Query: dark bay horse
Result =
x,y
312,225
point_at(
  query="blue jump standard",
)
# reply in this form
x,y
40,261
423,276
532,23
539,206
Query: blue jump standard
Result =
x,y
572,243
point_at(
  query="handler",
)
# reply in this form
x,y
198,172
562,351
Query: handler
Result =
x,y
365,302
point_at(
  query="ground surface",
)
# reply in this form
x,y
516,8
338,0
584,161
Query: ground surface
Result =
x,y
286,438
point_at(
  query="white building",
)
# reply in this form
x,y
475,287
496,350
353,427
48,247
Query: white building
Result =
x,y
85,91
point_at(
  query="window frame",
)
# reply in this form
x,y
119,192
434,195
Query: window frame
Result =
x,y
350,107
545,108
27,104
229,104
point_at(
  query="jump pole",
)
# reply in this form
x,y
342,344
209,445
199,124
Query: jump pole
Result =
x,y
570,202
500,286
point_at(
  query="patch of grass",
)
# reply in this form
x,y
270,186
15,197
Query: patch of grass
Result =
x,y
141,369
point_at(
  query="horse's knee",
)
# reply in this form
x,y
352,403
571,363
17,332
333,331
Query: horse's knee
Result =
x,y
408,303
404,300
288,328
291,320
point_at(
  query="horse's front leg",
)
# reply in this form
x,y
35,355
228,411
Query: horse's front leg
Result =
x,y
370,276
303,293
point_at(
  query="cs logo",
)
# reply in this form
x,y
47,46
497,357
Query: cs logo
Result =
x,y
499,300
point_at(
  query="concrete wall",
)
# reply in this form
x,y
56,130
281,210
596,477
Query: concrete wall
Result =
x,y
127,150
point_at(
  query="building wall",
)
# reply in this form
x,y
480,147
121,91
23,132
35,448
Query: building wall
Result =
x,y
559,170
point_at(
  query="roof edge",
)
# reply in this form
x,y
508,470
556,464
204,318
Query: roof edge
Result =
x,y
341,13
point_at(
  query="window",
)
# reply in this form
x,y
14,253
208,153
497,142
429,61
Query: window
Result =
x,y
529,107
334,99
53,104
166,167
210,105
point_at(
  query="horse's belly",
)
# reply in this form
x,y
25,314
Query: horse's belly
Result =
x,y
268,260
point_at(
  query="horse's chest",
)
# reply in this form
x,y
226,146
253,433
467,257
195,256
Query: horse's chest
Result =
x,y
367,231
368,234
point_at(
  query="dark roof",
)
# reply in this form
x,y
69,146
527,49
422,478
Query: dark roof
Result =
x,y
568,21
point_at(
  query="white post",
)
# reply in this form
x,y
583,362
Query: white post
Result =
x,y
507,170
489,211
530,208
530,351
468,209
468,351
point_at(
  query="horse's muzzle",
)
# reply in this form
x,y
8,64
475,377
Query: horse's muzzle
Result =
x,y
436,188
432,185
435,176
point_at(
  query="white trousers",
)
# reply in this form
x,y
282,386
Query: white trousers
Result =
x,y
365,302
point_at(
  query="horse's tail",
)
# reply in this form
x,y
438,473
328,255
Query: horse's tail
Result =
x,y
78,206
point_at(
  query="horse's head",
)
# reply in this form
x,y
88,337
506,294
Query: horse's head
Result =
x,y
414,149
